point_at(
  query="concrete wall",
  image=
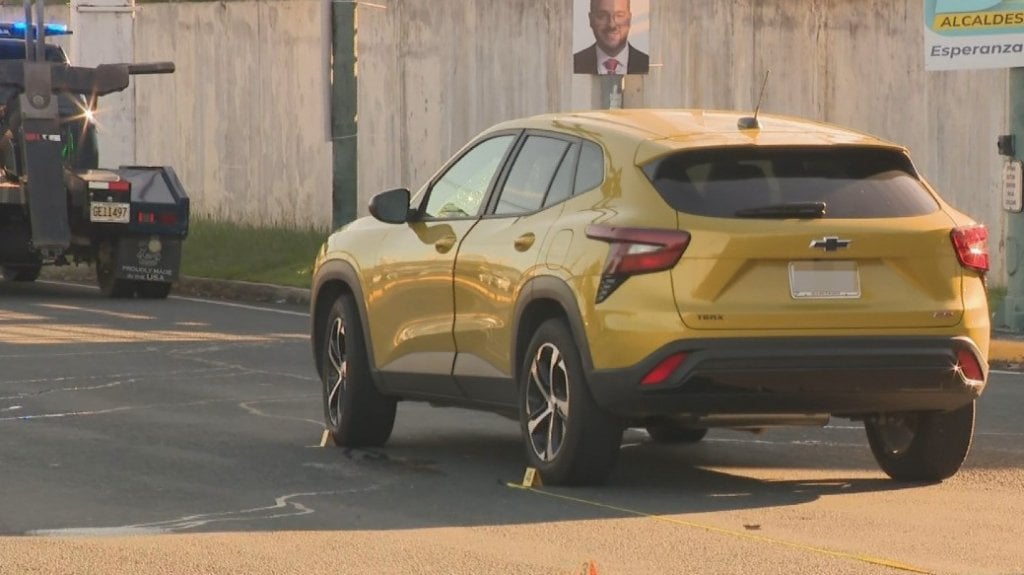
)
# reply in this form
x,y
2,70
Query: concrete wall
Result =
x,y
243,120
433,73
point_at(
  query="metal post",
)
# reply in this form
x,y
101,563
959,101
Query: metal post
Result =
x,y
1013,305
611,91
343,113
30,47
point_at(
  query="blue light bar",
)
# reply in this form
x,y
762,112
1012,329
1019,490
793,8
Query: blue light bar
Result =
x,y
19,29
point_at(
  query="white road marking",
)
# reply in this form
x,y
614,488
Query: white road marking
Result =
x,y
198,300
124,408
242,306
248,407
1004,372
283,507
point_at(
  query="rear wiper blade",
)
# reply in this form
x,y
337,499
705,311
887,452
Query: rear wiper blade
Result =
x,y
790,210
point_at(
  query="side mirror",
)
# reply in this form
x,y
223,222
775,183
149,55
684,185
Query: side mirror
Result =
x,y
392,206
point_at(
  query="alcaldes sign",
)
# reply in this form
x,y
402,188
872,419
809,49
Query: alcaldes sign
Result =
x,y
973,34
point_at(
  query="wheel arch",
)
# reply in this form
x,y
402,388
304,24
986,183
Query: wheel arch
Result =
x,y
333,279
547,297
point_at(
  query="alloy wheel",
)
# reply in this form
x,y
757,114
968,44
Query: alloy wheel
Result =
x,y
338,377
547,402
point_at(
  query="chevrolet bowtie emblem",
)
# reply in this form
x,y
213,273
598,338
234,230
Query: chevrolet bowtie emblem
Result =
x,y
830,243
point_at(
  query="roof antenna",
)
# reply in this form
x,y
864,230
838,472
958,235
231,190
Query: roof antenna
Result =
x,y
750,122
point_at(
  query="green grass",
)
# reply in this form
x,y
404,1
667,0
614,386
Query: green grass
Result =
x,y
230,251
996,295
283,256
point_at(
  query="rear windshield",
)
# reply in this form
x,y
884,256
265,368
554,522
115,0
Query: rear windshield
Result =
x,y
735,182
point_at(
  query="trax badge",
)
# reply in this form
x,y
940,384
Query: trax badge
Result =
x,y
830,243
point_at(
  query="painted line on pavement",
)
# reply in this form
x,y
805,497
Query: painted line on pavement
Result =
x,y
194,299
241,305
1004,372
738,534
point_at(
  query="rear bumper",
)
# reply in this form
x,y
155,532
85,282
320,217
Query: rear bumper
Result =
x,y
839,376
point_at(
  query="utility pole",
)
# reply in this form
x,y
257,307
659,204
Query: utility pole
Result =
x,y
1013,305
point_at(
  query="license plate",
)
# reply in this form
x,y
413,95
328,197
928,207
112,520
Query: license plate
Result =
x,y
110,212
824,280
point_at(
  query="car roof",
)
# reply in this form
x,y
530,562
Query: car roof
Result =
x,y
657,131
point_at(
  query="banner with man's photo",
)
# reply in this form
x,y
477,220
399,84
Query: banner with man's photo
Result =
x,y
611,37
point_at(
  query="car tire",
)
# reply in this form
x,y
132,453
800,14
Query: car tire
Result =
x,y
355,411
29,273
921,446
568,438
154,290
668,433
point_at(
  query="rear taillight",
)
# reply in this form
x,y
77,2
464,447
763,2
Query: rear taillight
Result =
x,y
664,369
969,366
636,251
971,245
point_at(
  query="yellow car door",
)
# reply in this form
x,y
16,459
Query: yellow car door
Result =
x,y
499,255
410,306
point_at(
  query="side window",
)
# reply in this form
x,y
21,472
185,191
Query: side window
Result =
x,y
561,186
531,175
463,187
590,173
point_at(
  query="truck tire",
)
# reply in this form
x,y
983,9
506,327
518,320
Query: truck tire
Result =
x,y
153,290
111,286
29,273
921,446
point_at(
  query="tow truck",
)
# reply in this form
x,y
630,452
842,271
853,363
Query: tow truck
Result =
x,y
56,206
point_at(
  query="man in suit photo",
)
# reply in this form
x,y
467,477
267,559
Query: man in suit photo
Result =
x,y
611,53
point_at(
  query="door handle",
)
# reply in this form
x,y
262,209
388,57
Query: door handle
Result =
x,y
444,244
524,242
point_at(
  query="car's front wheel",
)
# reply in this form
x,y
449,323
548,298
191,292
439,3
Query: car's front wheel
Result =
x,y
921,446
569,439
355,411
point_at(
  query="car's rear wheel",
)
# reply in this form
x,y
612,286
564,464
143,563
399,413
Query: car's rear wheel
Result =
x,y
27,273
569,439
668,433
921,446
355,411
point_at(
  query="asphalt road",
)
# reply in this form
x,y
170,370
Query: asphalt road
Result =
x,y
183,436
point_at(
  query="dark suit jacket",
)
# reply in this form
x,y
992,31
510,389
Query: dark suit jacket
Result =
x,y
585,61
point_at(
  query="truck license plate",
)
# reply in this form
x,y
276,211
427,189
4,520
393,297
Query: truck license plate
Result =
x,y
110,212
824,280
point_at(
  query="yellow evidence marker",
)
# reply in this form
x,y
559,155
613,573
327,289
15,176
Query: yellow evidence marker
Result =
x,y
326,438
531,478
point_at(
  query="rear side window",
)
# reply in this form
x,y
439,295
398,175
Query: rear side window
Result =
x,y
851,182
531,175
590,173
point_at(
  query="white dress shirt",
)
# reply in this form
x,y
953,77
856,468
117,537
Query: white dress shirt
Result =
x,y
622,58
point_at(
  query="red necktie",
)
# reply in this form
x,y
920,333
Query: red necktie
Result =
x,y
611,64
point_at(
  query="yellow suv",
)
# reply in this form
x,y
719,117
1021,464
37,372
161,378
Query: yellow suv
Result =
x,y
673,270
